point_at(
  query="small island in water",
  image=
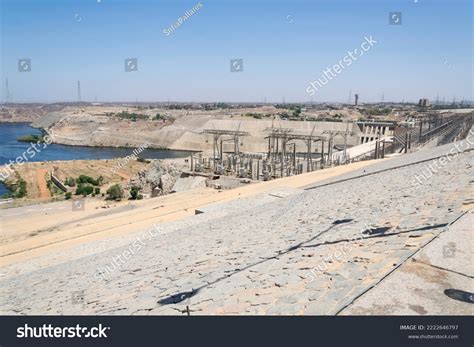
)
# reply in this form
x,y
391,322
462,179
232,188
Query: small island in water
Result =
x,y
31,138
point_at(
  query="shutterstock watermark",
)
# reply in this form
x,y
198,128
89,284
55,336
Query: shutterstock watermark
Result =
x,y
441,162
131,64
28,154
332,72
49,331
24,65
133,156
173,27
338,255
124,256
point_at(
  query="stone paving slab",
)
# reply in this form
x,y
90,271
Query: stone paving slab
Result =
x,y
308,253
242,204
453,250
418,287
452,149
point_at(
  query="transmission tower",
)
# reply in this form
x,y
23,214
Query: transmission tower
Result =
x,y
7,91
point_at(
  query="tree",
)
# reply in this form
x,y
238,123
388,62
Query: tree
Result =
x,y
87,190
115,192
90,180
134,192
21,191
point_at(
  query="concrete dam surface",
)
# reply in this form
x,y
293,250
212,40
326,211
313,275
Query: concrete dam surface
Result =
x,y
369,241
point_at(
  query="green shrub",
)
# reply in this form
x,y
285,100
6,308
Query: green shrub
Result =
x,y
97,191
163,117
254,115
132,116
68,195
87,190
20,192
134,193
79,189
297,112
159,117
17,190
84,190
31,138
53,188
90,180
115,192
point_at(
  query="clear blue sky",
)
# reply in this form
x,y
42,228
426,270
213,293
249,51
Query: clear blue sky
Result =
x,y
283,44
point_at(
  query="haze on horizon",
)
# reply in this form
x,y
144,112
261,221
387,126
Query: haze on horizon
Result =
x,y
283,45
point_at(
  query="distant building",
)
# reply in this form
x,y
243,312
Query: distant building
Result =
x,y
356,101
372,130
424,103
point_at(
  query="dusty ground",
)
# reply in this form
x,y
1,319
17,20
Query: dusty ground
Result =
x,y
36,174
26,112
41,177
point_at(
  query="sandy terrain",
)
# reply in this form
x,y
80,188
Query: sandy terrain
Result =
x,y
37,173
43,191
26,112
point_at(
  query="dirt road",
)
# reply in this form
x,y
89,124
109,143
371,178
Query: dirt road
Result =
x,y
43,190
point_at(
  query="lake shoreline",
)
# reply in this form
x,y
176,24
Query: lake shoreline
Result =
x,y
30,124
11,149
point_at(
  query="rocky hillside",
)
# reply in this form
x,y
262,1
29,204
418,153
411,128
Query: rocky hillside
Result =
x,y
177,131
27,113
